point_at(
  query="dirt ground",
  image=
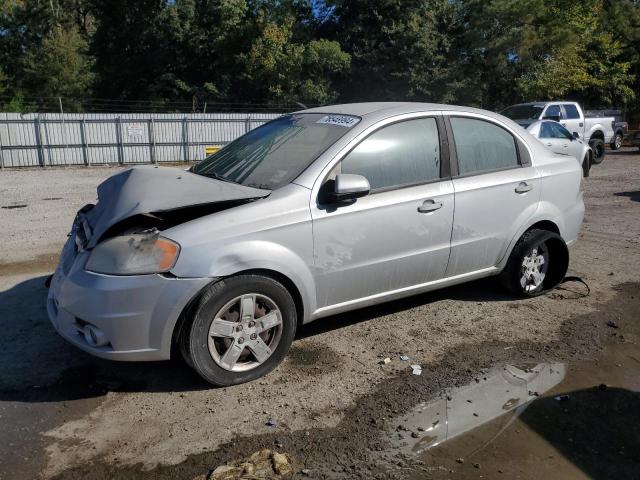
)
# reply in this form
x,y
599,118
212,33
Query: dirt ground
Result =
x,y
66,415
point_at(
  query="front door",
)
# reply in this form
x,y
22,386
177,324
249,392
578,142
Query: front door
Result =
x,y
396,237
496,191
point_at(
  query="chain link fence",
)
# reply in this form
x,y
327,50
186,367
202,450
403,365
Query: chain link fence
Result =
x,y
54,139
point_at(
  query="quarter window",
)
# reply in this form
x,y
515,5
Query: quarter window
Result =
x,y
482,146
401,154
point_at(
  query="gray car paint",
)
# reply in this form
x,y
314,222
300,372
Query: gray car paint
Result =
x,y
336,259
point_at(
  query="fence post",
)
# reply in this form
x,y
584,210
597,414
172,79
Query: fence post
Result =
x,y
83,139
38,135
185,139
247,124
119,141
152,140
1,154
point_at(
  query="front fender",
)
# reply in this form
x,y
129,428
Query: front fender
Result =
x,y
236,257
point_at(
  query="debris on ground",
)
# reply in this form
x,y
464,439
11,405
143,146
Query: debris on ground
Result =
x,y
562,398
416,369
612,324
386,361
271,423
404,358
264,464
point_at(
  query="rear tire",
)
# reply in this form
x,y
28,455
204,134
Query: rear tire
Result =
x,y
255,323
538,263
597,145
616,144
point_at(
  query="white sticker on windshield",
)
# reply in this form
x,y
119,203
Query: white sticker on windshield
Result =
x,y
340,120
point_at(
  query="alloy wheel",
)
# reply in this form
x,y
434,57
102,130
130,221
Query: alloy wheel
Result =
x,y
534,268
245,332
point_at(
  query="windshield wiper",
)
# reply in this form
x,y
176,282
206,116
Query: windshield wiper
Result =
x,y
216,176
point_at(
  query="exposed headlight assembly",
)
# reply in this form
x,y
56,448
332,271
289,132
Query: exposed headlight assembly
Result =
x,y
135,254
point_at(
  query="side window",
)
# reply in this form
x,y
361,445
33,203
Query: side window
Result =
x,y
561,132
482,146
571,111
545,130
401,154
553,111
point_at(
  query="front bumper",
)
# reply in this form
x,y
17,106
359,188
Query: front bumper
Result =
x,y
136,314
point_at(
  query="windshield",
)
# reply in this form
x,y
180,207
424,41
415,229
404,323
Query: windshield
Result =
x,y
522,112
277,152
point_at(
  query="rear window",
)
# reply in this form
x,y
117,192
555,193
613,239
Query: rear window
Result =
x,y
523,112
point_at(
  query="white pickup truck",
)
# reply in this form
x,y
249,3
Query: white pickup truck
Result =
x,y
595,131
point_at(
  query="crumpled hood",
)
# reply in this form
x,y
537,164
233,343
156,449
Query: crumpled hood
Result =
x,y
149,189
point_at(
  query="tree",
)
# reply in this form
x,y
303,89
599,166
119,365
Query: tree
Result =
x,y
399,48
281,70
60,67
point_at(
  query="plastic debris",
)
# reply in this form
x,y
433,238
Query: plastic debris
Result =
x,y
562,398
271,423
612,324
263,464
416,369
386,361
404,358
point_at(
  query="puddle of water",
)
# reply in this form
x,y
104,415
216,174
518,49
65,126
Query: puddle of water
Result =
x,y
499,391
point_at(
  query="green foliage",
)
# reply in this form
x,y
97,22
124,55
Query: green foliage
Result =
x,y
487,53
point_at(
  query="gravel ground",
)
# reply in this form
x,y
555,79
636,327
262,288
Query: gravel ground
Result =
x,y
74,416
37,207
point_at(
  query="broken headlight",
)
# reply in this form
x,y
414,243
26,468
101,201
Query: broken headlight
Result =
x,y
135,254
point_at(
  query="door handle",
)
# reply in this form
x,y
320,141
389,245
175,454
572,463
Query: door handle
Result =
x,y
566,145
523,187
581,124
429,206
549,144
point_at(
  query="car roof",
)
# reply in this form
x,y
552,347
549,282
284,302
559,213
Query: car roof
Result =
x,y
387,108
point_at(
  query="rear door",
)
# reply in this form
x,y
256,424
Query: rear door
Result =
x,y
496,190
572,120
396,237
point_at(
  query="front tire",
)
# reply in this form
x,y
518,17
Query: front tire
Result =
x,y
597,145
538,263
241,329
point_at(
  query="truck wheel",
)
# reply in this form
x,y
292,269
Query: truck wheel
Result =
x,y
597,145
242,328
617,142
538,263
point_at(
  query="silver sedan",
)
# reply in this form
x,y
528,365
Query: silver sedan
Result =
x,y
315,213
559,140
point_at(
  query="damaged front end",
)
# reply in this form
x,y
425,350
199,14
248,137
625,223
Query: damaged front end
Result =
x,y
123,230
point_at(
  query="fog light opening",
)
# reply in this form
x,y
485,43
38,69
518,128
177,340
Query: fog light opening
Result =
x,y
94,337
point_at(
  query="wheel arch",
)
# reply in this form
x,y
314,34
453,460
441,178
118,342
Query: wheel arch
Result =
x,y
535,223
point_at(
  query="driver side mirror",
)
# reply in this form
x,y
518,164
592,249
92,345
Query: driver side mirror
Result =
x,y
348,186
576,135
